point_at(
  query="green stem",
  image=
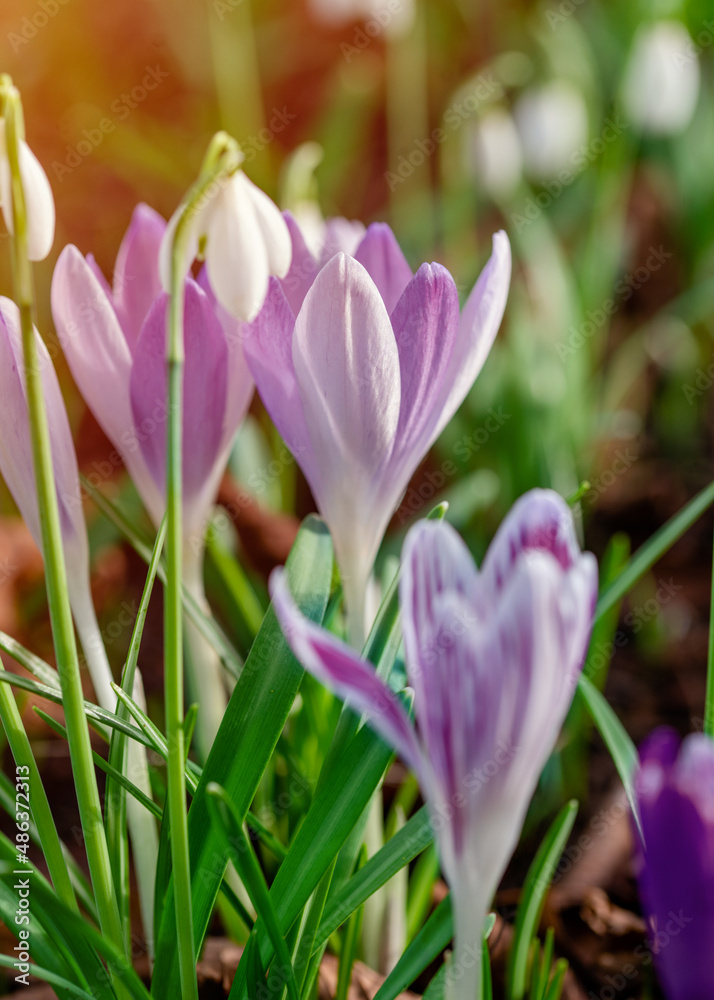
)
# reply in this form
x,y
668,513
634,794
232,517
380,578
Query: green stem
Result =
x,y
55,572
709,698
219,163
39,806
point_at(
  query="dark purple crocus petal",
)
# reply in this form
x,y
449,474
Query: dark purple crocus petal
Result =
x,y
340,669
426,324
539,520
676,877
382,257
206,357
136,274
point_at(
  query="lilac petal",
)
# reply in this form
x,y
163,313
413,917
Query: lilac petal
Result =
x,y
136,275
16,463
347,369
426,324
339,668
268,351
341,235
480,320
383,259
205,381
303,267
92,341
240,385
99,275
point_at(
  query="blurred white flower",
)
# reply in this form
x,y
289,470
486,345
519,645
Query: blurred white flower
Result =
x,y
494,153
552,122
391,17
661,83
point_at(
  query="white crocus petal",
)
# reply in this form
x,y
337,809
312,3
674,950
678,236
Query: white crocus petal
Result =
x,y
272,226
39,202
662,79
236,253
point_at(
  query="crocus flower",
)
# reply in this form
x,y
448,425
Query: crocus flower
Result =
x,y
246,241
493,657
39,203
361,367
16,466
114,340
675,793
662,79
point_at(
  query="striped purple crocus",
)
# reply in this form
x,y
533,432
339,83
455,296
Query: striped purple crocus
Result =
x,y
361,364
493,656
675,794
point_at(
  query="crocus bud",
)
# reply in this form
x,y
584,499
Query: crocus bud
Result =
x,y
246,241
675,794
39,203
493,656
661,84
361,364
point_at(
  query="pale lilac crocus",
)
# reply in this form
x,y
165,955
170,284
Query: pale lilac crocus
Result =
x,y
114,340
39,203
493,656
361,365
16,466
675,794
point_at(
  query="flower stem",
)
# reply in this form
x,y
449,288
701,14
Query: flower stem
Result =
x,y
55,572
218,164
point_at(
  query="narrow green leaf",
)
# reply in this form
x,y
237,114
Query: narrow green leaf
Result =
x,y
402,848
618,742
251,727
246,864
654,548
558,981
426,946
535,888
